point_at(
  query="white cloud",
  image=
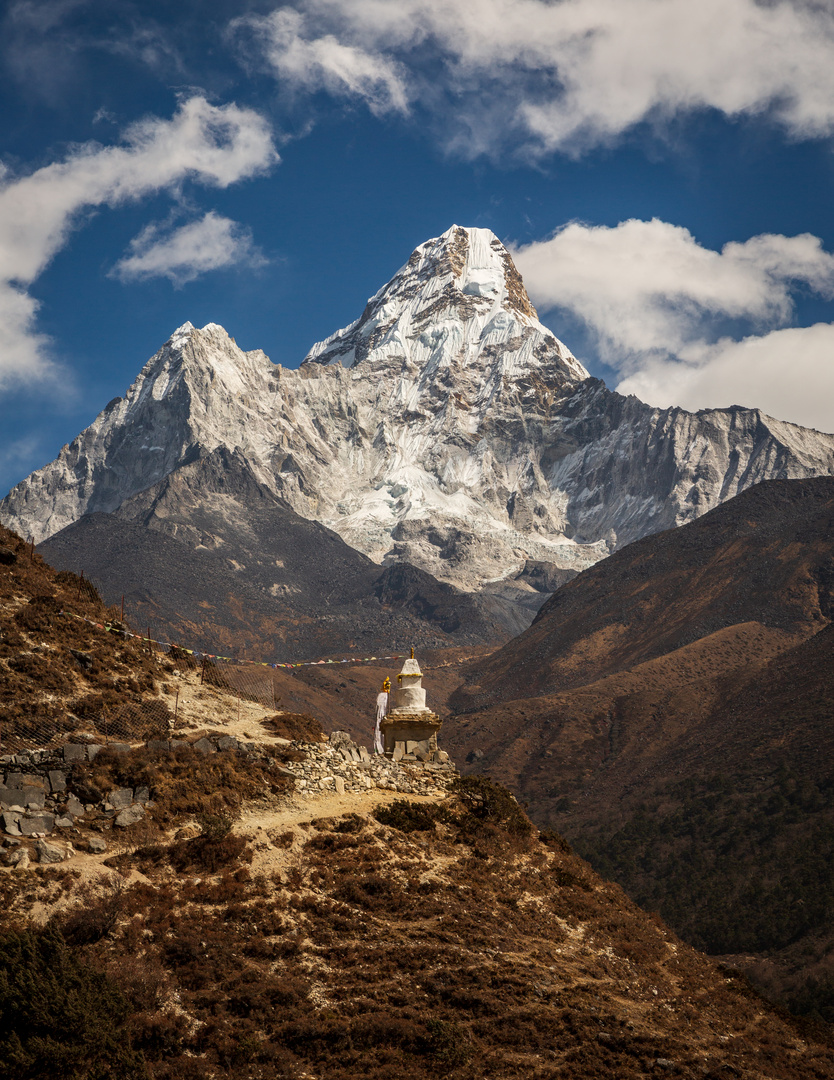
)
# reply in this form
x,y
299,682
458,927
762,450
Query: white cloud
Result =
x,y
657,304
211,243
212,145
787,373
567,74
649,285
325,63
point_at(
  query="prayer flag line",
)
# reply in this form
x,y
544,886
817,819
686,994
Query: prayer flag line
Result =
x,y
227,659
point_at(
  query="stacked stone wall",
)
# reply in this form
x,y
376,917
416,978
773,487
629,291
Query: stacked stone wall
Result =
x,y
40,798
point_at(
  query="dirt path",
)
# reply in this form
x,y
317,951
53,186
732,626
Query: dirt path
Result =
x,y
264,826
299,811
276,842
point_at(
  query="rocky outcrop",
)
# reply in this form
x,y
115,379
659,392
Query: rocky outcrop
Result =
x,y
446,427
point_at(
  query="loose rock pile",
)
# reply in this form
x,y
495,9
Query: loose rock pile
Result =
x,y
341,766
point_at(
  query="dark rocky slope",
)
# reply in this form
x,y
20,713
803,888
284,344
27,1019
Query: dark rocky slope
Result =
x,y
211,558
670,711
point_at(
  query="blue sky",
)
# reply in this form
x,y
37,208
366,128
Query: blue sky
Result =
x,y
666,188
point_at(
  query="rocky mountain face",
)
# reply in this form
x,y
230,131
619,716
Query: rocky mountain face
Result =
x,y
446,428
670,710
211,557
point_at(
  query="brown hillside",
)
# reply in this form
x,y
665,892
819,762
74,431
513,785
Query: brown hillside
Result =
x,y
112,688
766,556
690,762
406,939
59,674
321,936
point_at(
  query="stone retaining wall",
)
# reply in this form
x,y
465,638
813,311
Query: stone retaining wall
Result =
x,y
38,796
340,765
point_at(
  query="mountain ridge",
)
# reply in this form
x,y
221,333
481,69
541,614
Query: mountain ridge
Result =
x,y
669,711
462,437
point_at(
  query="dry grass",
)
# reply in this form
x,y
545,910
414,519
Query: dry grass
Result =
x,y
437,941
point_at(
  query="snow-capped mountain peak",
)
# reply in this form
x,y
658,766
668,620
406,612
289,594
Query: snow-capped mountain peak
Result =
x,y
458,302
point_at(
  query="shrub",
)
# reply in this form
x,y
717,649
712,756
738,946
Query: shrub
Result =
x,y
449,1043
209,853
93,918
487,801
410,816
299,727
58,1017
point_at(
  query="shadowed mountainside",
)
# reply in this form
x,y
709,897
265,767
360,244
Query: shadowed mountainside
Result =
x,y
211,557
670,711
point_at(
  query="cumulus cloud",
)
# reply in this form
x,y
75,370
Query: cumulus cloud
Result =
x,y
787,373
562,75
657,304
209,144
211,243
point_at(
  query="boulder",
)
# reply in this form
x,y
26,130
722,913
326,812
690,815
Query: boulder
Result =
x,y
205,746
74,752
131,815
50,853
30,824
120,798
10,823
32,798
97,845
57,780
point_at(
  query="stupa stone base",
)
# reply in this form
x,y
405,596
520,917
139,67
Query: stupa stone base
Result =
x,y
412,735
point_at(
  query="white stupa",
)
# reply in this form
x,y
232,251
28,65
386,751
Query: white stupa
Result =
x,y
410,728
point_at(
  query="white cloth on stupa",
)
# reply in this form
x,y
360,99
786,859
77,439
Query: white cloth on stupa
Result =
x,y
381,710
